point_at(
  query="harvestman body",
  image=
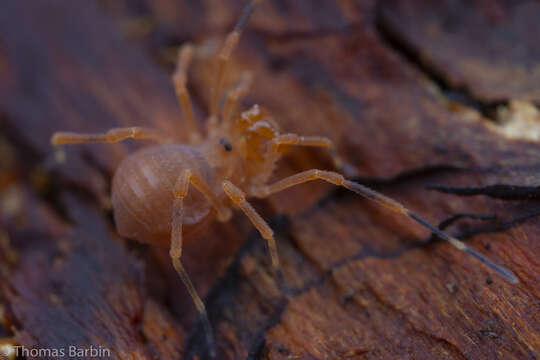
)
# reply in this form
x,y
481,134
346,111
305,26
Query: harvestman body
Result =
x,y
152,191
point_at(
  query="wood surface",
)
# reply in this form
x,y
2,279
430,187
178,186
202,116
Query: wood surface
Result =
x,y
419,99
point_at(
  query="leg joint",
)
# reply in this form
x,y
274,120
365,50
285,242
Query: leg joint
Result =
x,y
181,187
330,176
234,193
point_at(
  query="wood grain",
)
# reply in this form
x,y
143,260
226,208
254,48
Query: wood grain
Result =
x,y
484,47
365,283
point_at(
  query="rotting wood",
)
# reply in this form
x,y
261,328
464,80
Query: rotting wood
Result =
x,y
365,283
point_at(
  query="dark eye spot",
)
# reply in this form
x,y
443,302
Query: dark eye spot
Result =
x,y
226,145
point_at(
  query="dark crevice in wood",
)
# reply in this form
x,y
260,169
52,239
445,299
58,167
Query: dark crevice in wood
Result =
x,y
497,191
225,287
455,217
494,224
256,348
500,225
461,94
221,296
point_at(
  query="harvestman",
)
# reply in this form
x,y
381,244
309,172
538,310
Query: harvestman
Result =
x,y
231,161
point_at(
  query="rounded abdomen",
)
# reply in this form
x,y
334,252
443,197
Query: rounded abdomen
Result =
x,y
142,192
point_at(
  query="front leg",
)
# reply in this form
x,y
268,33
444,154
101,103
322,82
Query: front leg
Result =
x,y
111,136
234,95
224,56
179,80
238,197
391,204
311,141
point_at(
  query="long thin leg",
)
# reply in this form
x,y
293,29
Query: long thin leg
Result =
x,y
338,179
238,197
111,136
234,95
224,56
180,192
180,79
311,141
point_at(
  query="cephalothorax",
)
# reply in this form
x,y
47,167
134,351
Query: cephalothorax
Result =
x,y
162,194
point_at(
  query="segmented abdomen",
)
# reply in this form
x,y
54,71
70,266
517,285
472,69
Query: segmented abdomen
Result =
x,y
142,191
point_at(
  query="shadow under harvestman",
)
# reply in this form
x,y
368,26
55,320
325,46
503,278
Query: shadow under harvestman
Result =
x,y
152,190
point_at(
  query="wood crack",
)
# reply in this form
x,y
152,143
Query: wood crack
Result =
x,y
461,94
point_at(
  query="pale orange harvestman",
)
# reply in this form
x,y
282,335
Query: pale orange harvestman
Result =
x,y
231,161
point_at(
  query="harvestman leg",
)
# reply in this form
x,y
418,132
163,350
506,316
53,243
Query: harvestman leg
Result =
x,y
312,141
225,54
238,197
111,136
236,94
179,79
338,179
180,192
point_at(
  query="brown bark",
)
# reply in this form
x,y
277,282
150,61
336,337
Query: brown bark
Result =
x,y
383,80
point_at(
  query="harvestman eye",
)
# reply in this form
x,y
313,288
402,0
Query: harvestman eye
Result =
x,y
147,210
226,145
